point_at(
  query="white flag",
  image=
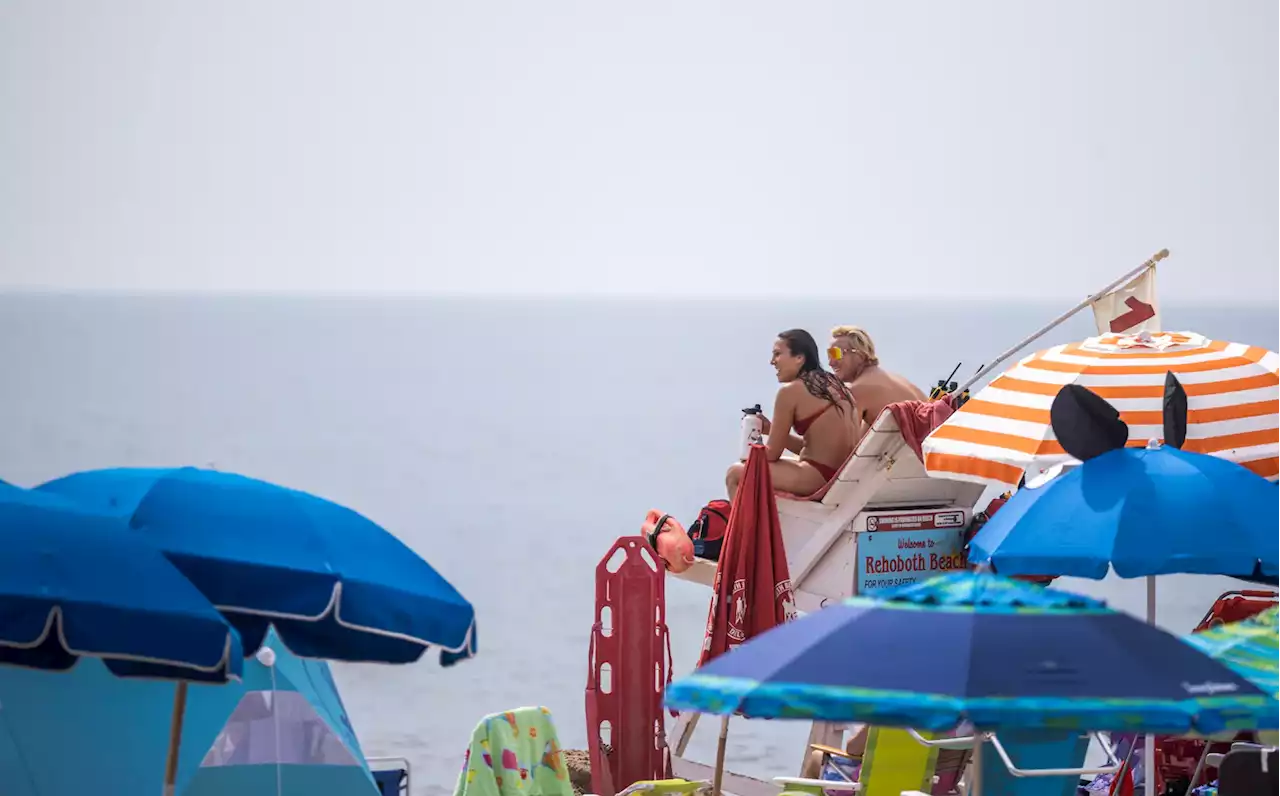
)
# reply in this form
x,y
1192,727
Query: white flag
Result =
x,y
1130,309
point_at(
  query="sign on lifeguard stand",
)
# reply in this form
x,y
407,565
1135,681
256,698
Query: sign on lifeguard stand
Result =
x,y
899,549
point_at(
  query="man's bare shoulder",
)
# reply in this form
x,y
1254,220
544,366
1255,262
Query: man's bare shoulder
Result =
x,y
875,390
869,384
857,387
907,387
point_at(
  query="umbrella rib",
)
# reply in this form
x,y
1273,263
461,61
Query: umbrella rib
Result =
x,y
55,620
334,609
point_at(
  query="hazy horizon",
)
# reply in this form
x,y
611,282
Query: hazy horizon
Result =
x,y
490,438
870,149
1057,304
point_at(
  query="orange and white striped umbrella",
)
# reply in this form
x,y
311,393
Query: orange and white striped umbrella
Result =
x,y
1233,400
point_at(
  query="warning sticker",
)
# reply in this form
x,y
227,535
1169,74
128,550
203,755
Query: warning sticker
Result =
x,y
923,521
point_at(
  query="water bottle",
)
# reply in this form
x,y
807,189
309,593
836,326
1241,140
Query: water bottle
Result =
x,y
752,430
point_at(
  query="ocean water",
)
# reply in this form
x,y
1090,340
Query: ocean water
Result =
x,y
509,442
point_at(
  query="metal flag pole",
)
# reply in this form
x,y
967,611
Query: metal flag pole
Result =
x,y
1148,758
1151,263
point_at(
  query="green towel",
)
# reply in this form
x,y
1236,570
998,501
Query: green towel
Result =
x,y
512,753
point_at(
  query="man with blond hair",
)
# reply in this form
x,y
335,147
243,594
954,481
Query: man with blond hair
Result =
x,y
852,357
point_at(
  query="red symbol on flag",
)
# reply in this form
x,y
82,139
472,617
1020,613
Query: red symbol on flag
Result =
x,y
1138,312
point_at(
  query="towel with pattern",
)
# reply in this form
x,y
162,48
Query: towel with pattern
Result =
x,y
514,753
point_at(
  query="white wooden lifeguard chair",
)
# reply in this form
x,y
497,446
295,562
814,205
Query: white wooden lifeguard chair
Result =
x,y
883,487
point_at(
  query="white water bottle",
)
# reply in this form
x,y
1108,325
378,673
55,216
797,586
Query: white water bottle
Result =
x,y
752,430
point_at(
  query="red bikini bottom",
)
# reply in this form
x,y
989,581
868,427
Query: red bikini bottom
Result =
x,y
827,471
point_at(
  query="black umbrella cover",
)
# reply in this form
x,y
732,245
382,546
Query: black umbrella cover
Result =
x,y
1175,411
1085,424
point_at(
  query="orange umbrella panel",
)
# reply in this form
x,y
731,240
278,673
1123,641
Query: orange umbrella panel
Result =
x,y
1232,392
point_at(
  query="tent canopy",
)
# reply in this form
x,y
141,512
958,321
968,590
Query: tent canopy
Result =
x,y
62,733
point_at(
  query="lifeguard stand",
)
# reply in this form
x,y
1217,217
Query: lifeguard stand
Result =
x,y
882,489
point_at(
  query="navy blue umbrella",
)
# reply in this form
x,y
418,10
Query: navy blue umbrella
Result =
x,y
74,583
333,583
976,647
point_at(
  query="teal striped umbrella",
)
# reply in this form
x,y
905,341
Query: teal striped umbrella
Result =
x,y
977,648
1250,648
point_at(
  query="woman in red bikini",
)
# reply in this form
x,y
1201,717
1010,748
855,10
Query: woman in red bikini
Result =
x,y
817,406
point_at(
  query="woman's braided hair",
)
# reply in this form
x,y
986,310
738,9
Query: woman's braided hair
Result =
x,y
817,381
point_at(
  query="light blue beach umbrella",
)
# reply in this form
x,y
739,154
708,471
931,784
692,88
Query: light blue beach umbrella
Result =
x,y
1140,512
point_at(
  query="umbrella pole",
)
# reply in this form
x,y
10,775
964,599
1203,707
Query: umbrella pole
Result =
x,y
718,778
1149,743
175,738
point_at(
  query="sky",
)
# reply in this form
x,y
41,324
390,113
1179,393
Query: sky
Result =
x,y
835,148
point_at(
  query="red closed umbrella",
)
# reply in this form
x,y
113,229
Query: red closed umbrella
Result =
x,y
752,589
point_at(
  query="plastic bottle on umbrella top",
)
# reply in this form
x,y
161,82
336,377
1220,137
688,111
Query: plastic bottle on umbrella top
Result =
x,y
752,430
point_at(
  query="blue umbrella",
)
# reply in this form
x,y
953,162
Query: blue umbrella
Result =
x,y
975,647
73,584
334,584
1139,511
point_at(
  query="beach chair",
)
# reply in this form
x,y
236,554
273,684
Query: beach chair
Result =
x,y
390,783
1182,763
390,774
948,770
893,762
1039,763
948,774
672,786
1235,605
1249,770
665,787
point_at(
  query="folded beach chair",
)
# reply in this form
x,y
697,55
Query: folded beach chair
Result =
x,y
893,762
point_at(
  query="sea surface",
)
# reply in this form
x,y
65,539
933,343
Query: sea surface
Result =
x,y
507,441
